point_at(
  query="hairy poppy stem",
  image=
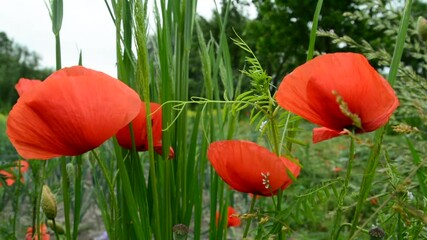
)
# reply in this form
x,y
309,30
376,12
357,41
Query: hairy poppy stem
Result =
x,y
248,223
338,216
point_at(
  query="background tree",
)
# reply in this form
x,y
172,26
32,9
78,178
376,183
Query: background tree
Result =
x,y
279,34
16,61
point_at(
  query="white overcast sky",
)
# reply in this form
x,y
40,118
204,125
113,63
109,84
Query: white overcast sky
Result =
x,y
86,26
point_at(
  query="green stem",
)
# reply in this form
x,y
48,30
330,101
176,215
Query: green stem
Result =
x,y
37,200
337,222
349,225
314,30
129,198
369,173
248,223
55,229
17,197
77,196
66,197
58,51
368,177
113,208
400,43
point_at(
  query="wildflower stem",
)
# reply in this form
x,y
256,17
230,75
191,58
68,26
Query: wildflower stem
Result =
x,y
285,129
314,30
66,197
111,229
16,196
369,173
55,229
37,198
400,43
58,51
248,223
368,177
337,222
275,137
77,196
129,199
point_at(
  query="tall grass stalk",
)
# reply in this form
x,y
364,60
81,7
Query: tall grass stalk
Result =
x,y
175,187
174,23
372,164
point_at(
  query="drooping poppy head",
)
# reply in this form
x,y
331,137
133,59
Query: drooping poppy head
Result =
x,y
11,174
44,234
139,125
233,220
250,168
73,111
336,91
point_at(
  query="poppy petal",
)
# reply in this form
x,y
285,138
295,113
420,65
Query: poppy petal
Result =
x,y
24,85
246,166
73,111
11,174
322,134
233,220
139,125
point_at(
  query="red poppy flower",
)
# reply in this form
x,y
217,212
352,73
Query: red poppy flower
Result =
x,y
313,88
250,168
11,174
232,219
139,125
44,234
73,111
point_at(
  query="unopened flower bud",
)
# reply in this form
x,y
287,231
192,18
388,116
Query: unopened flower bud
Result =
x,y
376,233
180,232
422,28
48,203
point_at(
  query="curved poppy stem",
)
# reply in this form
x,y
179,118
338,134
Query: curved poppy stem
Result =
x,y
337,222
248,223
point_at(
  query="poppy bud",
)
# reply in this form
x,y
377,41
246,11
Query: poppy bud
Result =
x,y
422,28
376,233
48,203
180,232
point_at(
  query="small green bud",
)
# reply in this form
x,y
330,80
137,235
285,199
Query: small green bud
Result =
x,y
422,28
48,203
